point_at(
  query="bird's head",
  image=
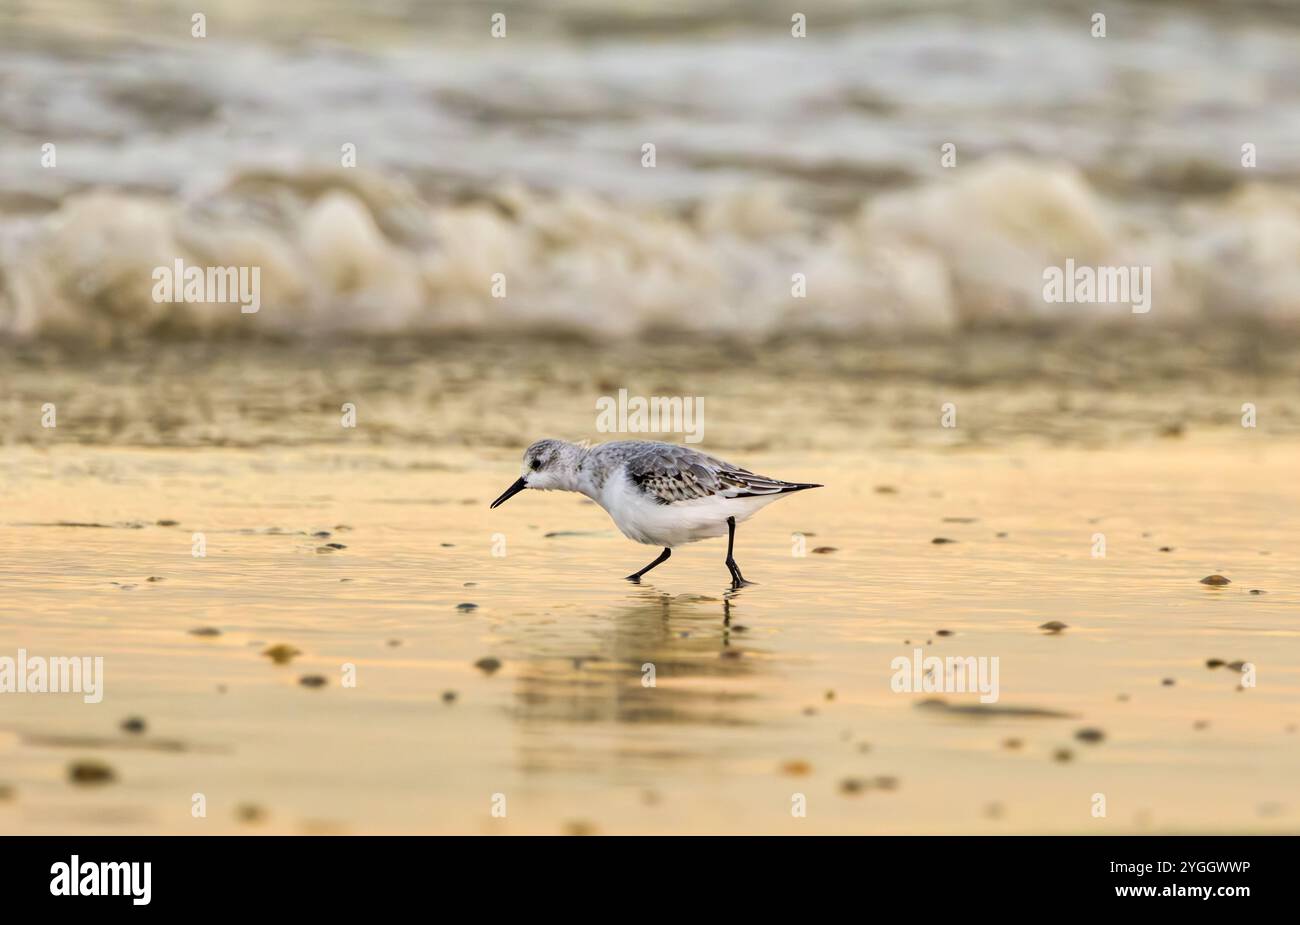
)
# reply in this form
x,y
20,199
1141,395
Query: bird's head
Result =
x,y
548,465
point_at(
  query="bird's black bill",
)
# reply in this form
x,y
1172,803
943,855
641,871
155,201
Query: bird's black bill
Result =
x,y
510,492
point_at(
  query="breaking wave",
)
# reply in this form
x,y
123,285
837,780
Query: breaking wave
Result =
x,y
351,252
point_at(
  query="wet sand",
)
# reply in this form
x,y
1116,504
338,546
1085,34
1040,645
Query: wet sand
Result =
x,y
780,689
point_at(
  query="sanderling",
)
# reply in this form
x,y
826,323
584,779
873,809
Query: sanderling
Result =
x,y
657,493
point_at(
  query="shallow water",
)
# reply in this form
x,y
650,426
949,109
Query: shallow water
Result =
x,y
782,688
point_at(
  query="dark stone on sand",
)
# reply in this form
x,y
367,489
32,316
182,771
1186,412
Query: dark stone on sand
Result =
x,y
281,654
466,607
960,520
830,695
886,782
1166,549
312,680
6,793
1201,725
154,578
943,632
167,523
90,772
394,643
1053,626
941,540
249,812
1214,663
488,665
470,584
1001,535
826,550
322,534
729,653
447,545
1090,734
133,724
1062,755
323,550
1257,591
1167,682
205,631
886,490
1012,744
852,786
448,696
336,546
1237,665
1215,580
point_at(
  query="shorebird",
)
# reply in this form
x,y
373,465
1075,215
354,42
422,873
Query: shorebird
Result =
x,y
656,493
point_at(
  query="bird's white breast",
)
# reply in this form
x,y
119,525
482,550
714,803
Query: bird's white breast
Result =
x,y
640,517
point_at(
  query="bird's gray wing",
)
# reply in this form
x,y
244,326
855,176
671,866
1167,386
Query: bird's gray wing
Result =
x,y
670,473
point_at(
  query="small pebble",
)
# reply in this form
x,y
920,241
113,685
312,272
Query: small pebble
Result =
x,y
249,812
466,607
154,578
1257,591
1013,744
135,724
1166,549
205,631
394,643
852,786
1201,724
1090,735
90,772
1215,580
1214,663
886,783
488,665
943,632
730,653
940,540
1062,755
796,768
281,654
167,523
1168,682
313,680
825,550
6,793
336,546
830,695
579,827
448,696
1054,626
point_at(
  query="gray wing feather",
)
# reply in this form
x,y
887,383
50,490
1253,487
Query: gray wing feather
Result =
x,y
669,473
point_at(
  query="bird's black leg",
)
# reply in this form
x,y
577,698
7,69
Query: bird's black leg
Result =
x,y
662,556
737,579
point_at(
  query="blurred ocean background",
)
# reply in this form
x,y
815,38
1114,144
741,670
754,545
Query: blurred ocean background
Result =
x,y
522,155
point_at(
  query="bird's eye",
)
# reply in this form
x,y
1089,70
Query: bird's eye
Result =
x,y
537,464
